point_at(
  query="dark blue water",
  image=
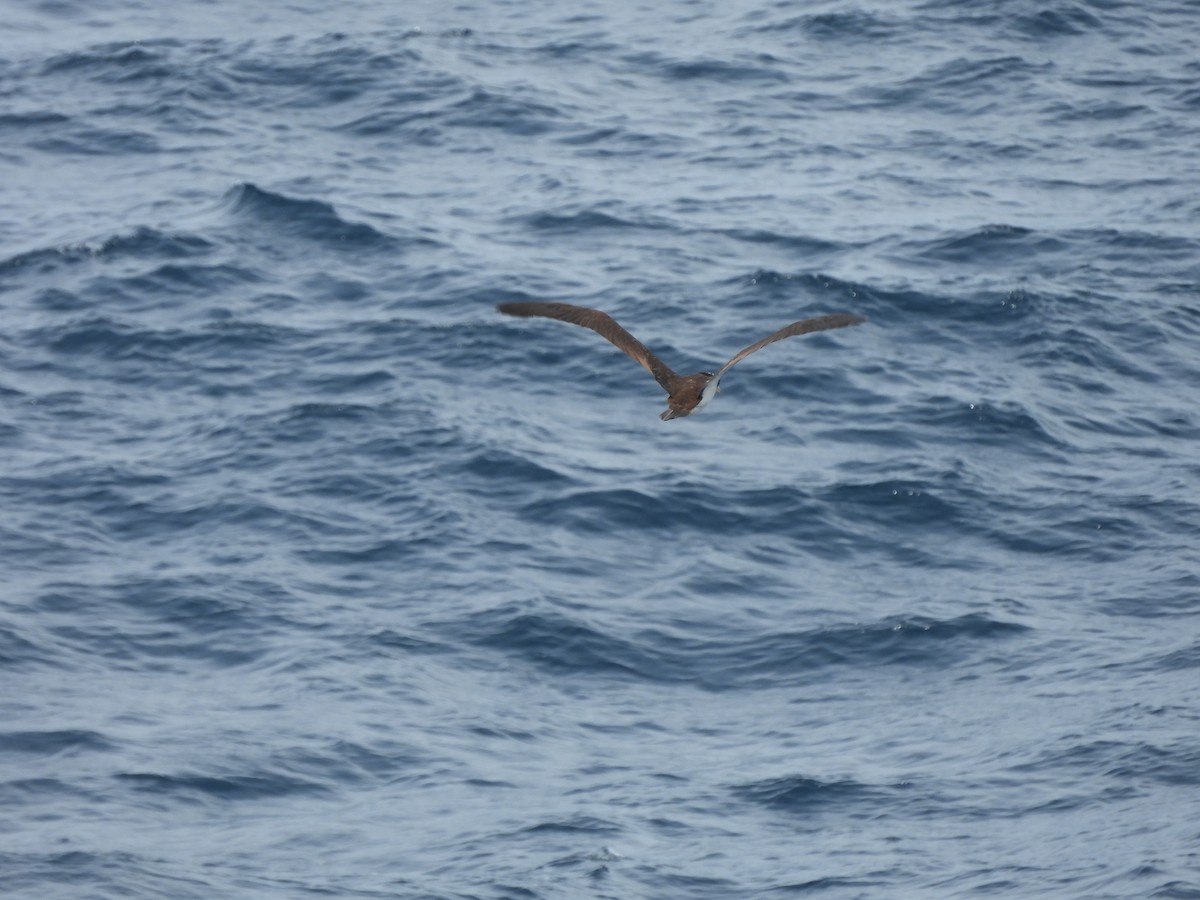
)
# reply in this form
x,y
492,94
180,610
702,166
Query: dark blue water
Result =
x,y
321,578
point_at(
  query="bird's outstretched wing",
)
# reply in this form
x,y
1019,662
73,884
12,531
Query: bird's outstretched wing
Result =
x,y
804,326
605,326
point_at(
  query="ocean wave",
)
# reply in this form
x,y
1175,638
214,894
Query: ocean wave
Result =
x,y
571,645
54,743
850,26
757,69
143,243
257,787
801,795
294,217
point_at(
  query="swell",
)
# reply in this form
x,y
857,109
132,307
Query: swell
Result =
x,y
566,644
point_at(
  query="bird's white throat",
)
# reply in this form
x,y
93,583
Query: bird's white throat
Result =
x,y
706,395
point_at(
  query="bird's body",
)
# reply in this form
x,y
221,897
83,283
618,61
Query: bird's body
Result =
x,y
685,393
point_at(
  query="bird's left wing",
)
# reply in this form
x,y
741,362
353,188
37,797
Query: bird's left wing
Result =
x,y
605,326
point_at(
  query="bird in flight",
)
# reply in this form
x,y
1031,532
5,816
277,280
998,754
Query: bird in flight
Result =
x,y
685,393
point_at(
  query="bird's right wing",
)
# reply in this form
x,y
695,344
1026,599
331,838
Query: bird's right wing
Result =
x,y
804,326
605,326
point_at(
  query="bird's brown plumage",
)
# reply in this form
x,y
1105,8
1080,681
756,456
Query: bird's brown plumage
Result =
x,y
685,393
804,326
605,326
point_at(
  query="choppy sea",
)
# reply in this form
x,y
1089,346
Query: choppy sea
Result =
x,y
318,577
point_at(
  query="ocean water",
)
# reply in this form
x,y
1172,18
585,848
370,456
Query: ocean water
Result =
x,y
322,578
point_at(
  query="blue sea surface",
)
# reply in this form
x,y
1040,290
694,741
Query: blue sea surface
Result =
x,y
322,578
